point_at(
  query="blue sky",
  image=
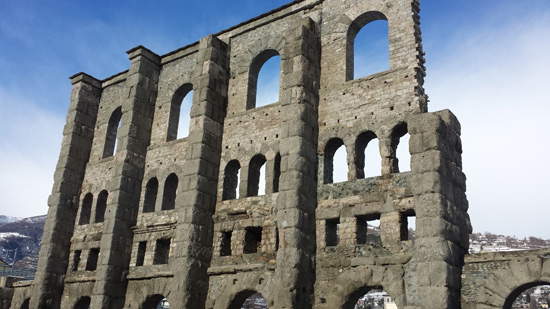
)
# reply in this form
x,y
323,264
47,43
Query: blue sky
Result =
x,y
488,61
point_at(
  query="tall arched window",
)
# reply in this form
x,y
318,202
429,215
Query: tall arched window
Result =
x,y
336,165
231,180
101,206
264,79
169,195
86,209
367,156
112,133
180,113
151,190
256,176
367,46
401,155
276,172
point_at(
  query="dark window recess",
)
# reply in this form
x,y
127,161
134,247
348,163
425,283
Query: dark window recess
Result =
x,y
101,206
150,199
76,260
276,239
368,229
252,239
93,256
276,172
142,247
162,251
331,232
112,132
408,225
231,180
86,209
225,246
170,189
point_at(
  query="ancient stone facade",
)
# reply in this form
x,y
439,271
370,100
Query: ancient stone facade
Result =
x,y
137,214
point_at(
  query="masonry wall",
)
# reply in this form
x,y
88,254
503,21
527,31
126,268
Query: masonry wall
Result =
x,y
137,214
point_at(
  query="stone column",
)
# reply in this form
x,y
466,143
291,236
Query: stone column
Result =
x,y
197,196
63,201
298,189
124,188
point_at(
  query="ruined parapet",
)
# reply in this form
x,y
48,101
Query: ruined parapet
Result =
x,y
181,218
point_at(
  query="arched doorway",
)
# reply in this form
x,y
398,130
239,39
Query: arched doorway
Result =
x,y
370,298
83,303
25,304
248,299
156,301
528,296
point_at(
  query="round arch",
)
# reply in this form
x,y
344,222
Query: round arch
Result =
x,y
83,303
519,290
247,299
25,304
156,301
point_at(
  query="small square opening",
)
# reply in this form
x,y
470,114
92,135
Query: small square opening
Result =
x,y
225,245
368,229
93,256
331,232
408,225
252,239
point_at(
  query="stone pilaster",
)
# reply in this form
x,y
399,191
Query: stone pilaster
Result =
x,y
124,188
63,201
196,199
297,198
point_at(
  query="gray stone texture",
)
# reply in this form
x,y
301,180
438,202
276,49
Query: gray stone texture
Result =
x,y
170,229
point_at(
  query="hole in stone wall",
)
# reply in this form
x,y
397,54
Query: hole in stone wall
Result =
x,y
111,139
331,232
83,303
93,256
180,113
408,225
276,172
231,180
276,239
368,229
256,176
336,166
401,157
156,302
169,195
370,298
26,304
225,245
252,239
248,299
162,251
264,79
142,248
532,295
150,199
368,46
368,161
76,259
86,209
101,206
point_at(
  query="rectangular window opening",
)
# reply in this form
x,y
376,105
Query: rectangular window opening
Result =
x,y
225,245
93,256
408,225
252,239
162,251
368,229
76,259
142,247
331,232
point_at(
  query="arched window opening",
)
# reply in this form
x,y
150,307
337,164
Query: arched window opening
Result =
x,y
400,149
367,46
169,195
530,295
368,162
25,304
180,113
150,199
248,300
264,79
86,209
231,180
111,139
83,303
336,163
370,298
276,172
256,176
156,302
101,206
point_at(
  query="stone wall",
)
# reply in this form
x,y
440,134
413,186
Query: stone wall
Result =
x,y
137,214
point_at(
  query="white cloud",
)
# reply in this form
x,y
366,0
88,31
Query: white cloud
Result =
x,y
31,138
495,80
